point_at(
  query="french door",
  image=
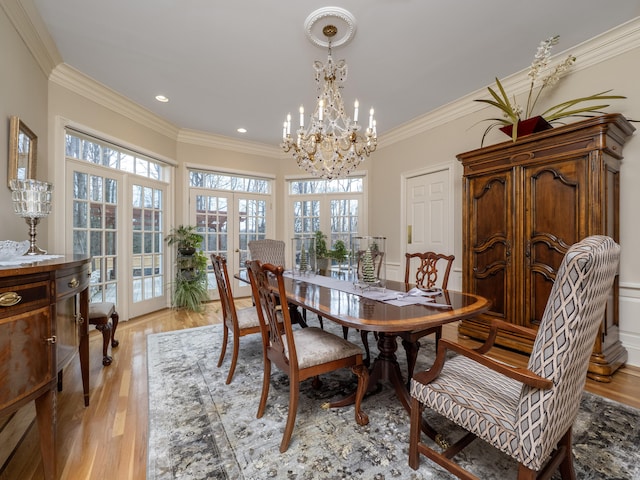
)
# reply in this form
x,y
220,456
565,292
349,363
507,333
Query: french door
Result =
x,y
148,281
118,220
228,221
95,214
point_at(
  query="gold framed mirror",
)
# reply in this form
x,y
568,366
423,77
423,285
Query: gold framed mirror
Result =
x,y
23,149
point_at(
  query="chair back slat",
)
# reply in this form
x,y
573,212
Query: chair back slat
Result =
x,y
272,318
426,273
226,297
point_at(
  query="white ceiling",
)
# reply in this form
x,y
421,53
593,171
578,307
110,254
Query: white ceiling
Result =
x,y
248,63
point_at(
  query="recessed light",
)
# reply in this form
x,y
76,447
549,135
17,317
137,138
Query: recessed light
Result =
x,y
242,130
162,98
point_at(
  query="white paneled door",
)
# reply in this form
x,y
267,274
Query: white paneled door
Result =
x,y
429,213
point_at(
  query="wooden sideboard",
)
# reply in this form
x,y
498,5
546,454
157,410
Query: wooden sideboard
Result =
x,y
44,307
524,204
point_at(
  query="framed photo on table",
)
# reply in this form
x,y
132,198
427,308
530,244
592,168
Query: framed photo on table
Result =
x,y
23,149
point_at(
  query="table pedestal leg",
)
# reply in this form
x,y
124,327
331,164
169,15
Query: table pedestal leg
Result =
x,y
296,316
386,367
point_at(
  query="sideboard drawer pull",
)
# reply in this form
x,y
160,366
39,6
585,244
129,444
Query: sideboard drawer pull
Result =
x,y
9,299
74,283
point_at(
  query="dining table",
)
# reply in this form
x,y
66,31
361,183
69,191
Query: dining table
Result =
x,y
390,311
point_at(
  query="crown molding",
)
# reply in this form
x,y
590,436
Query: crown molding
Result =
x,y
29,25
609,44
195,137
76,81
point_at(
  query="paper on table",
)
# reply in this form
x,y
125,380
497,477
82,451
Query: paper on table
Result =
x,y
415,296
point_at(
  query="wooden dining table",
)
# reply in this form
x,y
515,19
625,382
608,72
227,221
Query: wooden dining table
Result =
x,y
389,321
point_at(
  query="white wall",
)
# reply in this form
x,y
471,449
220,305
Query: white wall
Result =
x,y
23,92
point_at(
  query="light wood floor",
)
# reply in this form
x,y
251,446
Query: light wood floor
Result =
x,y
108,439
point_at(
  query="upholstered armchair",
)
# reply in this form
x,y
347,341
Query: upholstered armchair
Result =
x,y
525,413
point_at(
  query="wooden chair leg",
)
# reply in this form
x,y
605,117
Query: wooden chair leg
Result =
x,y
414,433
105,329
566,467
525,473
234,358
225,339
266,380
362,371
115,319
294,393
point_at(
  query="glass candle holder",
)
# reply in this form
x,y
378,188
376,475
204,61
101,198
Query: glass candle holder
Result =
x,y
303,255
368,255
31,201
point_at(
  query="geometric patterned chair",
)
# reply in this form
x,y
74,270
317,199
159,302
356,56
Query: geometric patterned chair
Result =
x,y
300,353
267,251
426,276
525,413
240,322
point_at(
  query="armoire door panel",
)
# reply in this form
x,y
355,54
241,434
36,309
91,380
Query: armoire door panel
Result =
x,y
491,240
555,198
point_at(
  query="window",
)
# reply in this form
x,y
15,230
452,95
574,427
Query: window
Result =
x,y
333,206
95,151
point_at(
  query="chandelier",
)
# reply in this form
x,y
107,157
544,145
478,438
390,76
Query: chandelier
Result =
x,y
332,145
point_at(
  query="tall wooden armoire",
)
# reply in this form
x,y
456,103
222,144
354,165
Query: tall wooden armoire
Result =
x,y
525,203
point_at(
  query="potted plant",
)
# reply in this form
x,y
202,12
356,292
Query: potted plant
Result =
x,y
190,286
322,254
514,116
186,239
339,252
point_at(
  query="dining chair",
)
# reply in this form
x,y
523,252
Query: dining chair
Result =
x,y
526,413
268,250
301,353
430,271
239,322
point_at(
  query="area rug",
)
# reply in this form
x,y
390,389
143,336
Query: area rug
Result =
x,y
200,428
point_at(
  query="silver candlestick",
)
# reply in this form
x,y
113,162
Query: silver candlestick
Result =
x,y
32,201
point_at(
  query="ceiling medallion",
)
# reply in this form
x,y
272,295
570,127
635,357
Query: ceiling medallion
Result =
x,y
342,20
